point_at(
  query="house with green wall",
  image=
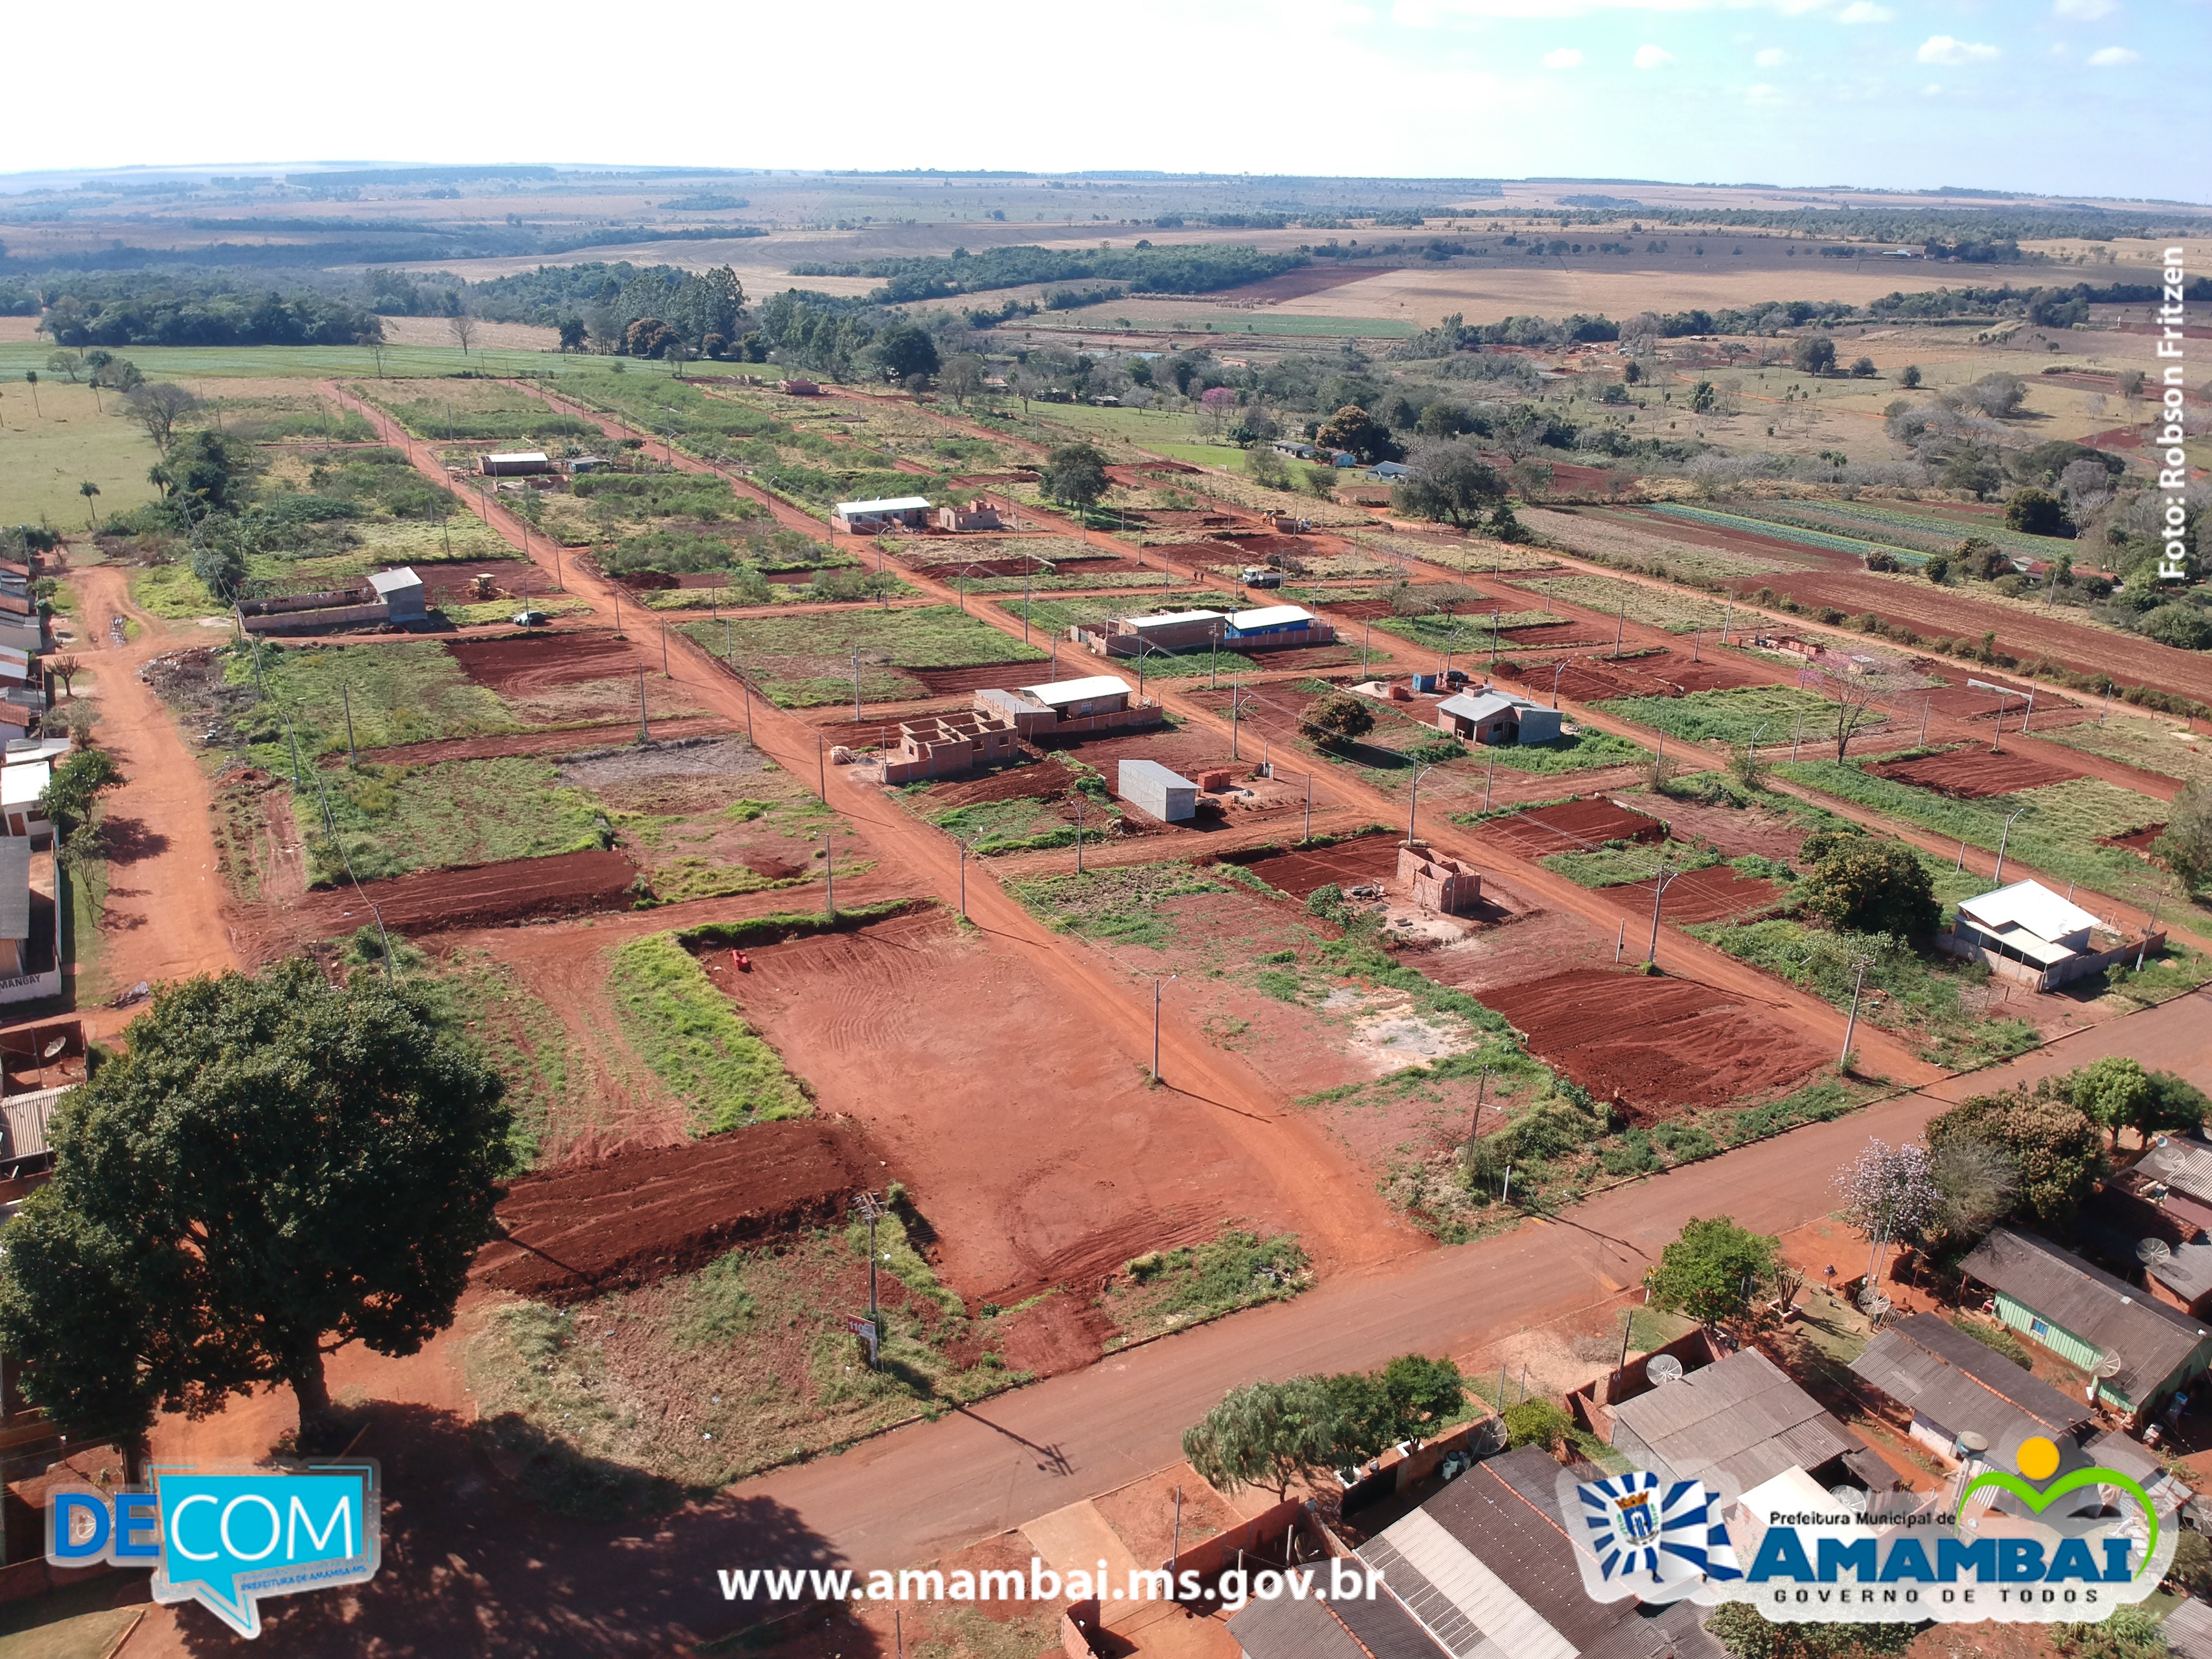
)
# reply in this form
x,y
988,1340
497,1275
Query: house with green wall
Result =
x,y
2092,1320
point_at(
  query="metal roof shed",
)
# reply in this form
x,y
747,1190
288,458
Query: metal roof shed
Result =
x,y
1150,788
1270,619
1076,698
1742,1418
401,590
1953,1384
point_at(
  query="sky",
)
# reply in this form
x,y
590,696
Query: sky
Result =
x,y
2048,96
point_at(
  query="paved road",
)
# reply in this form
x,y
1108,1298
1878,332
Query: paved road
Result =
x,y
916,1493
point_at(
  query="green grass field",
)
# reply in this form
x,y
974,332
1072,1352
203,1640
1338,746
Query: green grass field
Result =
x,y
2152,744
393,819
806,661
408,693
47,451
2056,833
1737,716
691,1035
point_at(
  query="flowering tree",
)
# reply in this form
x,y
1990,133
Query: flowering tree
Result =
x,y
1890,1191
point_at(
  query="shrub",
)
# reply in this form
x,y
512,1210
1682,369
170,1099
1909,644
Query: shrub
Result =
x,y
1537,1423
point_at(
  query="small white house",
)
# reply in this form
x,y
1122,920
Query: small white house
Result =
x,y
514,463
867,518
22,788
1081,699
401,590
2027,933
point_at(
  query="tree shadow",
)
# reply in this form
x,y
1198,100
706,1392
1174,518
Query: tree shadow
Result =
x,y
126,840
471,1567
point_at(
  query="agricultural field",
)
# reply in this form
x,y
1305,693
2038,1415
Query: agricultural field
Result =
x,y
1769,714
2146,742
66,437
808,661
456,412
2062,830
1639,602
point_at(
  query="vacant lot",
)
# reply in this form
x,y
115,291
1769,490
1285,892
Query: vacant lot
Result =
x,y
2151,743
806,661
1771,715
64,440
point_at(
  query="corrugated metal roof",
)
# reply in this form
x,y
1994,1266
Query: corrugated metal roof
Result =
x,y
14,887
2151,1341
2030,905
1270,616
888,504
23,1122
1288,1629
1384,1628
1171,618
2188,1630
1466,1590
2178,1163
1066,691
2185,1269
392,581
1742,1418
1939,1371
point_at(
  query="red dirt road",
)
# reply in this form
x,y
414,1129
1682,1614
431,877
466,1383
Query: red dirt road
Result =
x,y
164,918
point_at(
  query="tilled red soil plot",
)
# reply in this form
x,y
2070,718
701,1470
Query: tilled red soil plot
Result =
x,y
638,1217
1047,778
944,682
445,584
1930,611
1715,894
1973,774
541,662
1654,1045
477,895
1770,553
2138,841
1348,863
1970,702
1572,826
1734,831
916,1031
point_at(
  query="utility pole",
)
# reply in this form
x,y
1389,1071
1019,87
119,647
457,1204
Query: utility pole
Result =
x,y
1414,807
2002,840
1078,832
856,685
964,846
644,729
1489,776
821,770
1156,1026
1658,896
830,868
1851,1024
1926,703
1308,835
867,1205
345,693
663,651
616,589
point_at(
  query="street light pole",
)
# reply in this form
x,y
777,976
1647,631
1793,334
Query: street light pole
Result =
x,y
1852,1024
2002,840
1156,1026
1658,896
1414,806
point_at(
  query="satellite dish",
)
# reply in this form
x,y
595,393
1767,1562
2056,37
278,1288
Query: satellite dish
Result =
x,y
1851,1500
2108,1366
53,1048
1664,1367
2151,1251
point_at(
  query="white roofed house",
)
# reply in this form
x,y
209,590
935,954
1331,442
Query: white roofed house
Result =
x,y
401,590
867,518
514,463
1497,717
22,797
2026,932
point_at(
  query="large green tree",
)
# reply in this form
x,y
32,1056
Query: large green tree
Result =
x,y
1450,481
905,352
1354,429
1267,1434
1867,886
2055,1150
1709,1272
1074,475
274,1167
2186,845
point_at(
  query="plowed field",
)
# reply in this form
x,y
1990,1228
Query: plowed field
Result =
x,y
642,1216
1716,894
476,895
1973,774
1349,863
1655,1045
541,662
1572,826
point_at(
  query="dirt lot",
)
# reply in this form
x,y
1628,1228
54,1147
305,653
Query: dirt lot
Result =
x,y
1058,1181
1734,832
564,741
1572,826
1970,702
525,664
640,1216
1655,1045
451,584
1539,944
1716,894
1348,863
1973,774
431,901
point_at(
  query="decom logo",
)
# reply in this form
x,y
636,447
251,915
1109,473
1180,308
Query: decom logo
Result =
x,y
2022,1545
225,1538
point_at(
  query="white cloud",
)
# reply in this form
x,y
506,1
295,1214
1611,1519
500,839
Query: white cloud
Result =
x,y
1565,57
1762,97
1942,49
1864,12
1648,57
2113,57
2084,11
1771,57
